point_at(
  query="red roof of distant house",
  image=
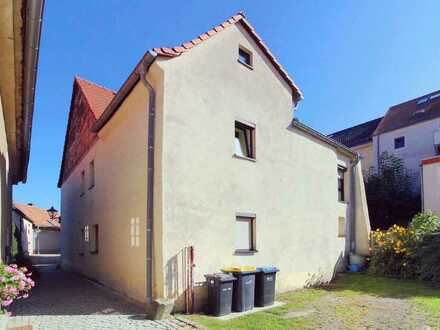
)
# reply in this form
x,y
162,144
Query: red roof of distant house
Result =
x,y
421,109
97,97
39,217
431,160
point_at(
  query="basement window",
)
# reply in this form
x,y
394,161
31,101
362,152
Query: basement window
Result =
x,y
245,233
245,57
341,183
244,140
399,142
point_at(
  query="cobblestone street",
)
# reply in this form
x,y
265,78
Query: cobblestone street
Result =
x,y
63,300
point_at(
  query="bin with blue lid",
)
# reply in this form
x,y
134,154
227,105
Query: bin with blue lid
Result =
x,y
220,288
265,286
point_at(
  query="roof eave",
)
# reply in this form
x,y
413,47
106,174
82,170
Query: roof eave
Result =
x,y
338,146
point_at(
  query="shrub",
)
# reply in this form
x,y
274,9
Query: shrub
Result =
x,y
15,283
393,253
425,223
429,255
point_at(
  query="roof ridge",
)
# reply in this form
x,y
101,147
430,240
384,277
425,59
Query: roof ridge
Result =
x,y
355,126
185,46
95,84
415,99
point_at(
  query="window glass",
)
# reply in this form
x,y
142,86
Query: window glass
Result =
x,y
94,239
244,140
341,184
244,234
399,142
83,179
244,57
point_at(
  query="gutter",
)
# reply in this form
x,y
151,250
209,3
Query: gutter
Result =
x,y
32,34
354,163
150,172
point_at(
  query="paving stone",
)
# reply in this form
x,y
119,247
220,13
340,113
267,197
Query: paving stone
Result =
x,y
67,301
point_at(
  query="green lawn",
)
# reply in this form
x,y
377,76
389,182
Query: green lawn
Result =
x,y
352,301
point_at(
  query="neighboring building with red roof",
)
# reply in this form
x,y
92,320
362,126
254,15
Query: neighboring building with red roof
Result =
x,y
198,148
39,230
409,130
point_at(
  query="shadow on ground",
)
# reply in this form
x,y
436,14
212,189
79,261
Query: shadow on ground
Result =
x,y
64,293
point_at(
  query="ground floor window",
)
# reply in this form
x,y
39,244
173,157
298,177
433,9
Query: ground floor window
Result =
x,y
94,241
245,240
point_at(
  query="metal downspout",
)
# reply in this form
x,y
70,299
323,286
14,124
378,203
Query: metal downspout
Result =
x,y
353,204
150,177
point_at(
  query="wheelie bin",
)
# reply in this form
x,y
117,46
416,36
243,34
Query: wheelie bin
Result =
x,y
265,286
244,287
220,286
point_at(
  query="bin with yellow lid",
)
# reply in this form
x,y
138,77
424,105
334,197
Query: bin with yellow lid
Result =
x,y
243,295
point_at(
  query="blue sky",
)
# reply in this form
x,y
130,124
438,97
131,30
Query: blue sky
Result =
x,y
352,59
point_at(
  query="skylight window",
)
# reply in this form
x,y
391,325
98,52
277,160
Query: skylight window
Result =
x,y
423,100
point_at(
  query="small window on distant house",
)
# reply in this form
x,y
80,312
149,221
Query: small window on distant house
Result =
x,y
91,174
83,182
134,232
86,233
341,227
245,234
244,140
245,57
94,241
341,183
399,142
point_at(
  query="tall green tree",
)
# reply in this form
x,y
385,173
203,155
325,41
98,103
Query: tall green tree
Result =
x,y
390,193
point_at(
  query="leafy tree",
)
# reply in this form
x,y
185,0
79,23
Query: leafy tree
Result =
x,y
390,193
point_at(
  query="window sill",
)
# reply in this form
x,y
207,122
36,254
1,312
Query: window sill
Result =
x,y
93,252
81,254
344,202
246,65
245,252
91,187
244,158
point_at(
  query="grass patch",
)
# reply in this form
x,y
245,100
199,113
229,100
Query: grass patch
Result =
x,y
341,304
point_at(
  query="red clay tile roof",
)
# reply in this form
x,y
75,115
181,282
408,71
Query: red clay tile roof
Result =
x,y
431,160
88,103
39,217
239,18
423,108
97,97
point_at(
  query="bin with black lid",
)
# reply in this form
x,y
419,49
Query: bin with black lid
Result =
x,y
220,288
265,286
244,288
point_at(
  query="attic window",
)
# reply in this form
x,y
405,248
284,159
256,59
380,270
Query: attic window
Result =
x,y
245,57
423,100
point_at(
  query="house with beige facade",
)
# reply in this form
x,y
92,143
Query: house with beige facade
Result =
x,y
195,164
430,169
37,229
20,26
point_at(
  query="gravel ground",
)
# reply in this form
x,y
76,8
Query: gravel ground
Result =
x,y
63,300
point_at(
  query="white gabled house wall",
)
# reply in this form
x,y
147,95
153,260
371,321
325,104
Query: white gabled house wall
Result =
x,y
200,187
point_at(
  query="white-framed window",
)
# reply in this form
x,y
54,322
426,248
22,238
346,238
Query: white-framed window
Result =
x,y
91,174
244,140
135,232
341,227
245,238
86,233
